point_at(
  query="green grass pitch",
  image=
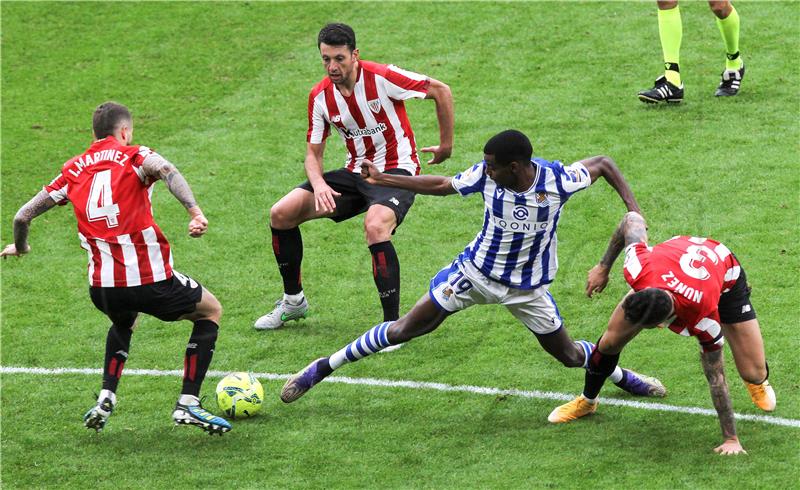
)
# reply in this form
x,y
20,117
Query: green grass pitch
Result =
x,y
220,89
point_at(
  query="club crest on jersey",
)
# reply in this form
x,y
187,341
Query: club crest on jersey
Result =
x,y
541,199
374,105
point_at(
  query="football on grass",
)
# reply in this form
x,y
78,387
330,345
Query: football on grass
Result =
x,y
239,395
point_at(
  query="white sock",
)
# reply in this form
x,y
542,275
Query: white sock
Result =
x,y
616,376
294,299
590,400
188,400
107,394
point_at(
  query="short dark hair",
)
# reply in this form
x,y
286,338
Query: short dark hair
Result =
x,y
509,146
336,34
649,306
107,118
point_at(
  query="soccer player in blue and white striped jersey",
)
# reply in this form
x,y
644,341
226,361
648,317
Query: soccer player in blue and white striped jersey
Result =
x,y
511,261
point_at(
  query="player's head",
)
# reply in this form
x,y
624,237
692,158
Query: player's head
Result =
x,y
648,307
112,119
337,46
337,34
505,153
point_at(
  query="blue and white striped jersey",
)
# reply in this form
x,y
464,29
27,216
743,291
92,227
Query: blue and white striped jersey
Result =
x,y
517,245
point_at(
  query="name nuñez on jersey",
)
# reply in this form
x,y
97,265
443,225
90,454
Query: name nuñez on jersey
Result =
x,y
677,286
115,156
359,132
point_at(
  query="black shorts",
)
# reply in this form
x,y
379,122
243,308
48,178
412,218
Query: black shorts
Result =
x,y
166,300
735,306
357,195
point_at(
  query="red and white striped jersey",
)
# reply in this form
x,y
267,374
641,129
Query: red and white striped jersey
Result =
x,y
110,195
372,120
696,271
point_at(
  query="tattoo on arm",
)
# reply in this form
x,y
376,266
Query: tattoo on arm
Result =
x,y
40,203
632,229
159,168
715,374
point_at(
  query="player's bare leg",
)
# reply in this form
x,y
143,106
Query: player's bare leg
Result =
x,y
379,222
747,347
423,318
285,217
199,352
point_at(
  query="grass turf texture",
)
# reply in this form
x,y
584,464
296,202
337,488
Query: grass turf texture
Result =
x,y
221,90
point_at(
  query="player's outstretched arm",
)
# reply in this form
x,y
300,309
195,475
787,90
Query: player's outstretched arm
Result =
x,y
715,374
604,166
158,168
435,185
40,203
445,113
632,229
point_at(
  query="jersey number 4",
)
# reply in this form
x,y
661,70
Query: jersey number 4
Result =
x,y
101,205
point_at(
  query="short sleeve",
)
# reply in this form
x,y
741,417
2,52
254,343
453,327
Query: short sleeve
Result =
x,y
470,180
402,84
318,127
709,333
57,189
632,268
572,178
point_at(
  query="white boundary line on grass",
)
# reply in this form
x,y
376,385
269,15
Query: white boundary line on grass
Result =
x,y
418,385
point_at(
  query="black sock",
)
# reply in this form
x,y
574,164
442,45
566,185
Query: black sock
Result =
x,y
386,271
288,248
118,341
199,352
600,367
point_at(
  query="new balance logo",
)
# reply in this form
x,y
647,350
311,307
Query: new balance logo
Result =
x,y
394,201
746,309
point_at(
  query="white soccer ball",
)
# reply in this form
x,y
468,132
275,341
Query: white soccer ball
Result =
x,y
240,395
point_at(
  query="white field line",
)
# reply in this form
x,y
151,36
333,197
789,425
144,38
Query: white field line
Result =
x,y
418,385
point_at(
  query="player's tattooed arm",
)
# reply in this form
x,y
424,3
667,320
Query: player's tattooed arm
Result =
x,y
632,229
40,203
157,167
604,166
715,374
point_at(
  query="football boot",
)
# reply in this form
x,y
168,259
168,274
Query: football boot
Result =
x,y
283,312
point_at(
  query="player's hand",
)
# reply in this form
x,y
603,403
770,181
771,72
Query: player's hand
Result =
x,y
11,249
323,198
440,153
198,226
729,447
597,280
370,172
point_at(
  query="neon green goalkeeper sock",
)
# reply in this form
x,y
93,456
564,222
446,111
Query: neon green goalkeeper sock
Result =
x,y
670,29
729,28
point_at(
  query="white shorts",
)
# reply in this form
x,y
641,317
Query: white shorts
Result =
x,y
461,285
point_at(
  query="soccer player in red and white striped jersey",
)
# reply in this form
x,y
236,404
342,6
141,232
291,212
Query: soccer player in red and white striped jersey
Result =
x,y
363,102
696,287
130,261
